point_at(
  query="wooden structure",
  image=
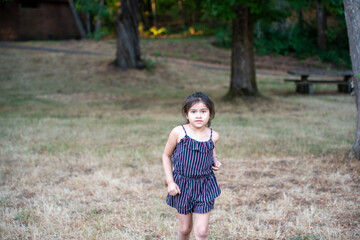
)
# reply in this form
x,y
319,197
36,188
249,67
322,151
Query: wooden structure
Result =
x,y
37,20
305,84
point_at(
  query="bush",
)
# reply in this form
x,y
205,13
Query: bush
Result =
x,y
298,41
223,37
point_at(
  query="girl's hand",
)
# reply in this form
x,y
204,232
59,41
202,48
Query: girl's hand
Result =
x,y
173,189
217,165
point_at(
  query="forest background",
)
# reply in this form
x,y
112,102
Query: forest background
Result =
x,y
283,27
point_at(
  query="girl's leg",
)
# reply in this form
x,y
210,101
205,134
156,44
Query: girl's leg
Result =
x,y
201,225
185,226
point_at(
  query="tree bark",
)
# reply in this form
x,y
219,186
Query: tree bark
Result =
x,y
243,81
98,17
282,27
321,25
77,19
128,45
181,12
352,17
153,7
88,22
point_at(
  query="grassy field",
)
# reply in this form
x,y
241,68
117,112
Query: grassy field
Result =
x,y
81,145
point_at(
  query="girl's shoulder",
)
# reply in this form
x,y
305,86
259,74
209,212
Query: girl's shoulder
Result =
x,y
215,136
178,133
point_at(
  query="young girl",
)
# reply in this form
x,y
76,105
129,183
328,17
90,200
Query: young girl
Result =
x,y
190,150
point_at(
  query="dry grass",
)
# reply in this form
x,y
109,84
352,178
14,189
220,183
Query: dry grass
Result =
x,y
80,147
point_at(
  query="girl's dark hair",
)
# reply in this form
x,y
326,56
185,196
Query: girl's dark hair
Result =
x,y
196,98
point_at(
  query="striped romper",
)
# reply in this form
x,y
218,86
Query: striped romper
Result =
x,y
192,161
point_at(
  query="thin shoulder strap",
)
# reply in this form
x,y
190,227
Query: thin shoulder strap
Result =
x,y
211,133
184,130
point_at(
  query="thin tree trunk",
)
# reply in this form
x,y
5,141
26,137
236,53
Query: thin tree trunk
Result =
x,y
149,14
243,81
77,19
321,25
352,17
181,11
98,17
128,45
153,7
88,22
281,25
300,18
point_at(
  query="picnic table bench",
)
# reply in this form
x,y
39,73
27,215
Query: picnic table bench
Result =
x,y
305,85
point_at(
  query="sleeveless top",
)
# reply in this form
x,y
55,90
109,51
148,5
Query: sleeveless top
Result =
x,y
192,158
192,162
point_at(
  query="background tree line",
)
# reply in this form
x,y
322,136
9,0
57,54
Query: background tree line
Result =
x,y
301,28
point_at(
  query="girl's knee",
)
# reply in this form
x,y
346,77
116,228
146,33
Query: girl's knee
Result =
x,y
201,232
185,229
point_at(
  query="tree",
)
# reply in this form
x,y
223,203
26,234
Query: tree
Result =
x,y
243,14
77,19
243,80
352,17
128,45
321,25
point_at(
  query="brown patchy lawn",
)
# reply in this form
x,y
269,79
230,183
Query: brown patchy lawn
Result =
x,y
80,147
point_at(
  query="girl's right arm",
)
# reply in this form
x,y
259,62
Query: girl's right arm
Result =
x,y
173,188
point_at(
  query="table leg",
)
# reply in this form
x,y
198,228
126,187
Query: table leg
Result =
x,y
345,88
305,88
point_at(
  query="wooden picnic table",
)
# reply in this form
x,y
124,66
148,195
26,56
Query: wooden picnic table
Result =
x,y
305,84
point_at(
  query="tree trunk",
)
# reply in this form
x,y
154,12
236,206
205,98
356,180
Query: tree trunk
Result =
x,y
300,19
281,24
77,19
181,12
98,17
88,23
352,17
153,7
128,45
243,81
321,25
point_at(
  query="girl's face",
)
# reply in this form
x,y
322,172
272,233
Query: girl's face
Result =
x,y
198,115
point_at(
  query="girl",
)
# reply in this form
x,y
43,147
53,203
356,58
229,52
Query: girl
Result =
x,y
192,186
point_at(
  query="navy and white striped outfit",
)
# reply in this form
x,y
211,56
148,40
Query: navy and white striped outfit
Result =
x,y
192,161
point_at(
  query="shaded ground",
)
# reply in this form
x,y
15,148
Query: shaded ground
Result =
x,y
197,50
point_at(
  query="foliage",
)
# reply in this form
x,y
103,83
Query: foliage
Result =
x,y
157,31
298,40
214,17
301,41
223,10
150,64
105,13
223,37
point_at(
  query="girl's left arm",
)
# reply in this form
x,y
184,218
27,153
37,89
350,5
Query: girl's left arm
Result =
x,y
217,163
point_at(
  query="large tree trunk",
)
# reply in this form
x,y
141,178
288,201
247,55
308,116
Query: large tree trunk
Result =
x,y
243,81
77,19
352,17
321,25
128,45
